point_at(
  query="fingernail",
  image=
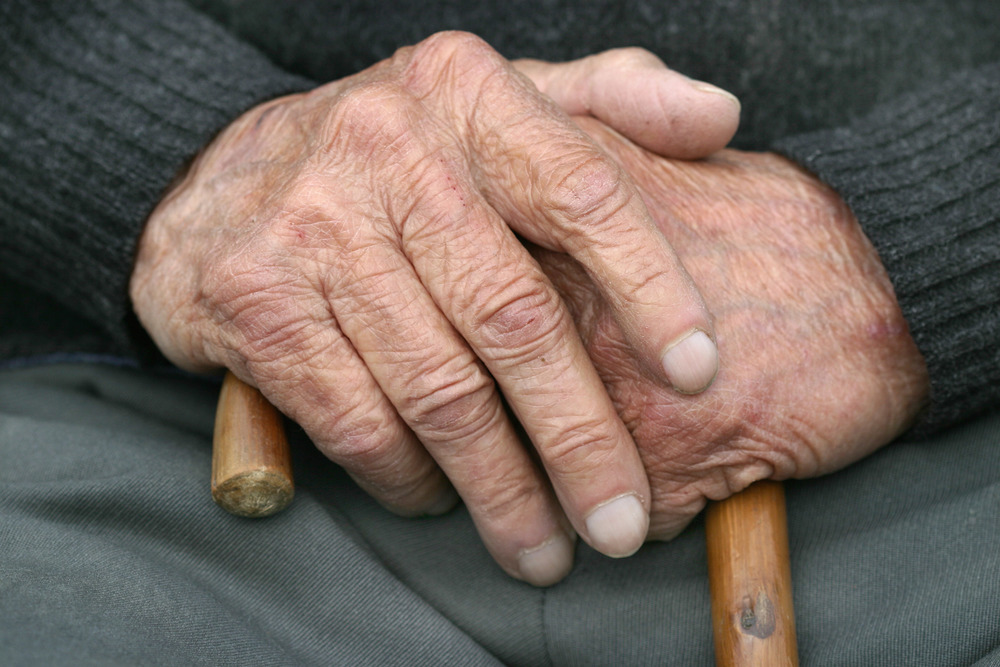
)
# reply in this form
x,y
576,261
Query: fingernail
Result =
x,y
692,363
618,527
715,90
547,563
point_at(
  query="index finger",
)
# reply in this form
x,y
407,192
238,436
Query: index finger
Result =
x,y
552,184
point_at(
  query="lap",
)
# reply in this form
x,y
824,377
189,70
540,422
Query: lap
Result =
x,y
111,550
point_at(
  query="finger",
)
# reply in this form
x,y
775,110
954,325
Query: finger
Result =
x,y
448,399
633,91
419,360
288,345
554,186
500,302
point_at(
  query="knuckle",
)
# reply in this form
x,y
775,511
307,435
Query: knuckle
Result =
x,y
521,318
454,404
275,332
415,492
452,46
305,200
236,283
367,117
506,498
585,188
580,447
373,447
630,57
363,452
453,58
327,233
369,456
258,307
359,437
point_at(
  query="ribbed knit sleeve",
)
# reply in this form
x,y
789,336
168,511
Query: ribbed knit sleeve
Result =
x,y
103,102
922,175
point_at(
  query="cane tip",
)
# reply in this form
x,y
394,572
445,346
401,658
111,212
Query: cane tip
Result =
x,y
254,494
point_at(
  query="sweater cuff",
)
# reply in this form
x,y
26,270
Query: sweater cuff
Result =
x,y
108,100
922,175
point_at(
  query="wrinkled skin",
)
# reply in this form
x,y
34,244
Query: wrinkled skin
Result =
x,y
818,369
351,251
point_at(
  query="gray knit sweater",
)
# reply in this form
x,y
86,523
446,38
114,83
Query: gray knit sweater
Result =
x,y
894,104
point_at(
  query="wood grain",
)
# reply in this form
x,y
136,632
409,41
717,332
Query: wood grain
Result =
x,y
251,461
753,619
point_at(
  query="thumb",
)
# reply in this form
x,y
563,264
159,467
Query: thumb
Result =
x,y
632,91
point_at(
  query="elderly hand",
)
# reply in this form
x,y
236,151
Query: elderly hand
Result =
x,y
352,253
820,368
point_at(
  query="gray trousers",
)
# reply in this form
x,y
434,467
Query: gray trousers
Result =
x,y
112,552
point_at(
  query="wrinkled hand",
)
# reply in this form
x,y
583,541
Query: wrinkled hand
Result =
x,y
820,368
351,252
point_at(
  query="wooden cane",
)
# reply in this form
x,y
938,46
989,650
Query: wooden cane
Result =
x,y
251,461
753,620
750,578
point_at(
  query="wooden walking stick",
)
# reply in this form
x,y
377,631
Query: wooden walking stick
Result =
x,y
750,578
747,535
251,461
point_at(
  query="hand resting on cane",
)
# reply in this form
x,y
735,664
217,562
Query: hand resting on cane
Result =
x,y
820,368
351,252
